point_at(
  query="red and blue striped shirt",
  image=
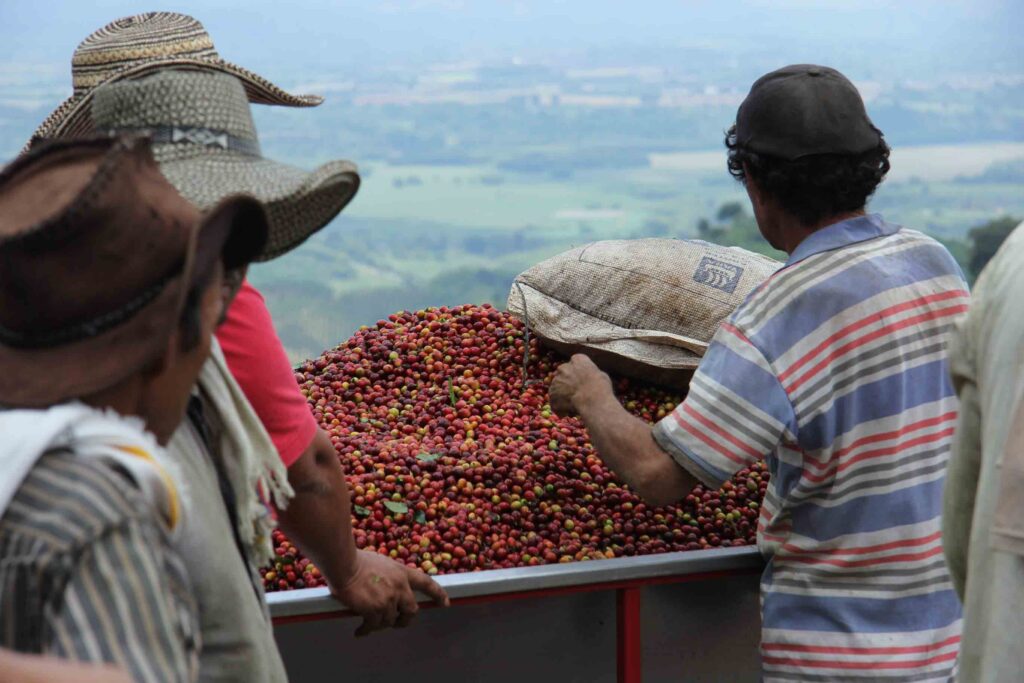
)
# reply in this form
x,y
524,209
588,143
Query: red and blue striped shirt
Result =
x,y
835,370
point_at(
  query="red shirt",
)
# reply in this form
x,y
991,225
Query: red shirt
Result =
x,y
259,364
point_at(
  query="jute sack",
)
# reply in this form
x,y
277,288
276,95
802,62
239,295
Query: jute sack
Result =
x,y
645,308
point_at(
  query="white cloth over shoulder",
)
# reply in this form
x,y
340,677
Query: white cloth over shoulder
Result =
x,y
89,433
250,460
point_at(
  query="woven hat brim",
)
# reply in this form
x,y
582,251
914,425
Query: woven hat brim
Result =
x,y
72,118
298,203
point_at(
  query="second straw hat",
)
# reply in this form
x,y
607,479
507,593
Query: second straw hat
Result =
x,y
205,141
143,43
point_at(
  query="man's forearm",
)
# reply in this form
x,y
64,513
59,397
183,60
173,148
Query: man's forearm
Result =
x,y
318,519
626,445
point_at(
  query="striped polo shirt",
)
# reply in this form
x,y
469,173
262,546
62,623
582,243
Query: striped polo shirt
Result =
x,y
835,371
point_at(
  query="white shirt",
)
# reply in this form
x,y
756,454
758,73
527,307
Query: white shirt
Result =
x,y
987,362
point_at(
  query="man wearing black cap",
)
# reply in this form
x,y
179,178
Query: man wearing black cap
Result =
x,y
835,371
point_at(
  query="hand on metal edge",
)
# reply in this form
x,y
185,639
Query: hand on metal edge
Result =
x,y
383,592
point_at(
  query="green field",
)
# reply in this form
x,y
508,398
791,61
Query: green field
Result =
x,y
421,235
925,189
483,197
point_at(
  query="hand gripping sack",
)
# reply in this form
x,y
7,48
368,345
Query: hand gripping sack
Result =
x,y
645,308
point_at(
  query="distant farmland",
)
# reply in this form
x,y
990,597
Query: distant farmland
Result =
x,y
925,162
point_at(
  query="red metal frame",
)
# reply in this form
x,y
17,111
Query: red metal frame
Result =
x,y
629,651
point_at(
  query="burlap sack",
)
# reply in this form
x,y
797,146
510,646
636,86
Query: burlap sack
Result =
x,y
645,308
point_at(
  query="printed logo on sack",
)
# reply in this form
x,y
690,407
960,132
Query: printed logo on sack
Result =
x,y
718,274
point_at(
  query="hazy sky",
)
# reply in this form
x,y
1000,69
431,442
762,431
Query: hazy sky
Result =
x,y
290,34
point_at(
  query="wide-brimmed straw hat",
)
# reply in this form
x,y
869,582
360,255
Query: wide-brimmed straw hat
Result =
x,y
98,253
205,142
138,44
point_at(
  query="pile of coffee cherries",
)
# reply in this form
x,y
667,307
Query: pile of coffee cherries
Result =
x,y
456,462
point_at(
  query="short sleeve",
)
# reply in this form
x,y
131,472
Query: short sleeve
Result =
x,y
259,364
735,413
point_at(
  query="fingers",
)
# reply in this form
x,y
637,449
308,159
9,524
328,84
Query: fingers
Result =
x,y
379,619
407,608
562,407
570,378
391,613
560,398
401,606
587,370
561,390
424,584
404,619
583,363
371,623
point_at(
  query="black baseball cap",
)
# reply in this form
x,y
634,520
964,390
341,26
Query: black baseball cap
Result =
x,y
804,110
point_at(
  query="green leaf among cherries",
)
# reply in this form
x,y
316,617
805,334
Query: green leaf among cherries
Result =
x,y
396,506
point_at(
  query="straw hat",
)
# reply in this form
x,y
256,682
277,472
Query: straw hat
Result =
x,y
205,141
97,255
142,43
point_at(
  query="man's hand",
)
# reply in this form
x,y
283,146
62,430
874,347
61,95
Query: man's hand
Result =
x,y
624,442
577,381
381,592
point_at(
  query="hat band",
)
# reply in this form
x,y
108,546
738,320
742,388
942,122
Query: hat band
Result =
x,y
194,135
85,330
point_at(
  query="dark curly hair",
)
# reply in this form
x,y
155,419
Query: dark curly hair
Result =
x,y
813,188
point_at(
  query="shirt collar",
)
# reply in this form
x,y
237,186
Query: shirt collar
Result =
x,y
842,234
